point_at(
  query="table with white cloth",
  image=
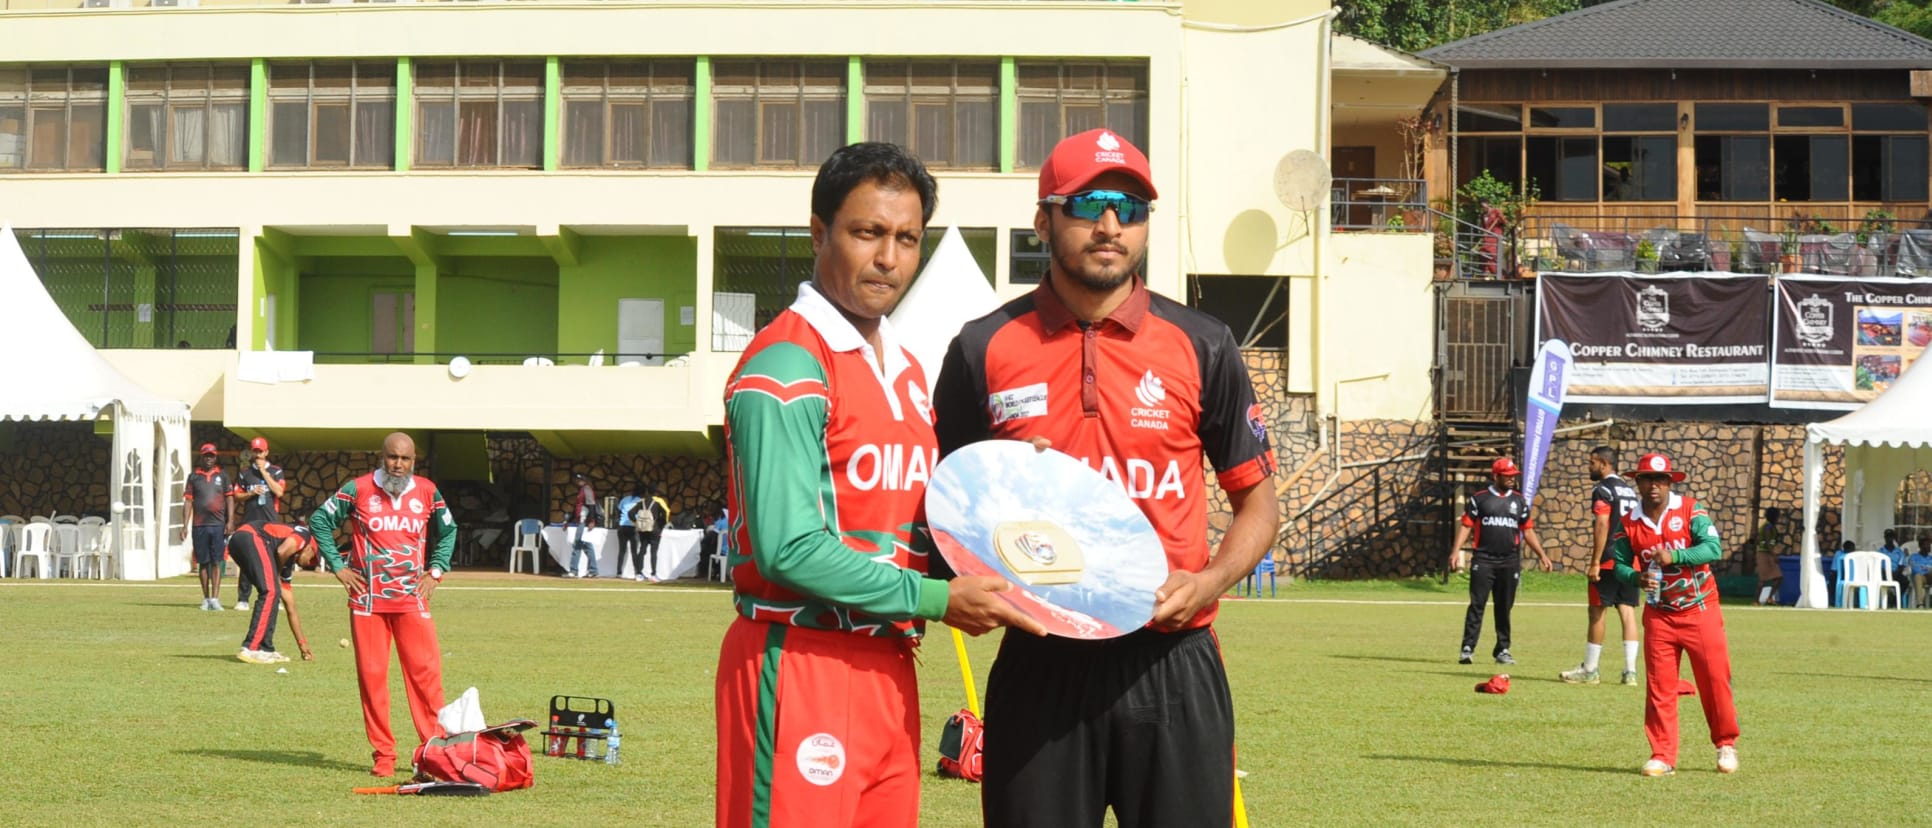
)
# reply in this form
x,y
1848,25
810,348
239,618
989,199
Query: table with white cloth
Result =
x,y
677,551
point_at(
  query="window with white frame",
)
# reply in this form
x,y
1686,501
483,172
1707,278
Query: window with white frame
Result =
x,y
332,115
479,113
187,116
627,113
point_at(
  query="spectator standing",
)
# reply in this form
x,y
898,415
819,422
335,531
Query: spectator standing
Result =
x,y
212,511
583,517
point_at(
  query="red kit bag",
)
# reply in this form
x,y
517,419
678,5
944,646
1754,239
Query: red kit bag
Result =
x,y
960,746
496,757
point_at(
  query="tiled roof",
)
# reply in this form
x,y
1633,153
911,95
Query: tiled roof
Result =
x,y
1691,34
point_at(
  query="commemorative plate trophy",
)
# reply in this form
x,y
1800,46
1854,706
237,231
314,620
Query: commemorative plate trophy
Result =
x,y
1082,557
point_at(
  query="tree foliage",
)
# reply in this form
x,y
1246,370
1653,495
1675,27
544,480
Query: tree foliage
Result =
x,y
1415,25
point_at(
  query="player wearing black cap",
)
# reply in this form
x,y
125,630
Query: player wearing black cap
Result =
x,y
1501,520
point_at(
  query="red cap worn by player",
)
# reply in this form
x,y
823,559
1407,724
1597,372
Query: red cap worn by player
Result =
x,y
207,448
1504,466
259,444
1656,464
1079,159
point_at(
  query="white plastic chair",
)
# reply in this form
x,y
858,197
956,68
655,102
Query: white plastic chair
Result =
x,y
66,549
537,362
75,519
1870,572
40,519
529,531
8,540
95,548
33,547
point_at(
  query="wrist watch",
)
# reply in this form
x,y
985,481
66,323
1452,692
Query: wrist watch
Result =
x,y
436,573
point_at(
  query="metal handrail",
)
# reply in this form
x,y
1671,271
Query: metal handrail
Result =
x,y
1316,533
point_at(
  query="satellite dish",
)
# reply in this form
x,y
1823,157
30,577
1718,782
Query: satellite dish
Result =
x,y
459,367
1302,180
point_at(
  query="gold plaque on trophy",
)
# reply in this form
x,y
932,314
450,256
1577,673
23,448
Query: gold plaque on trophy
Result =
x,y
1039,552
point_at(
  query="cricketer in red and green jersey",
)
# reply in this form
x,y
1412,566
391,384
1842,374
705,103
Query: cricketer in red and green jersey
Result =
x,y
391,553
1674,531
830,447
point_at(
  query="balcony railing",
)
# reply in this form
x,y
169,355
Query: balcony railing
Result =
x,y
1398,204
518,358
1870,248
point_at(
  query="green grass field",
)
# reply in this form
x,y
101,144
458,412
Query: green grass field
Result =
x,y
127,707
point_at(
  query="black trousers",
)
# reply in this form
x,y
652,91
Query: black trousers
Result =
x,y
648,541
1143,723
627,546
257,566
1486,579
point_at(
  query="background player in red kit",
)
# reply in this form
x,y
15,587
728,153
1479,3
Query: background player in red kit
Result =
x,y
267,554
390,572
1145,389
1673,534
817,695
1501,521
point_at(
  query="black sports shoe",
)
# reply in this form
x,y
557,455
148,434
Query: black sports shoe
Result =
x,y
1505,658
1468,656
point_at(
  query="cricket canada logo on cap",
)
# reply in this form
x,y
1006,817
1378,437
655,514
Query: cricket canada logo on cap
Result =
x,y
1109,149
821,759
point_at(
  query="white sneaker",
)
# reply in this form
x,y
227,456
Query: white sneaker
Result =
x,y
1656,767
637,578
254,657
214,605
276,657
241,606
1727,759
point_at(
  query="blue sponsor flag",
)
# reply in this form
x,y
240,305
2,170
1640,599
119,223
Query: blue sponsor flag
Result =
x,y
1549,379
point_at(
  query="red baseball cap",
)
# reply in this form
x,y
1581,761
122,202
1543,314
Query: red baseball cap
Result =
x,y
1079,159
207,448
1656,464
259,444
1497,684
1505,467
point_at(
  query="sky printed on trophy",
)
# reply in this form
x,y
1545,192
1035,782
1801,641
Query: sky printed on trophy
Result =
x,y
979,487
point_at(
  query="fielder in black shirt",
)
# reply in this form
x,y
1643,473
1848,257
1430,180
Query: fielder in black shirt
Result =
x,y
1502,522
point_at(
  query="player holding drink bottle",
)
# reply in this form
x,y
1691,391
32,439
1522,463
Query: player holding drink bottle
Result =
x,y
1672,534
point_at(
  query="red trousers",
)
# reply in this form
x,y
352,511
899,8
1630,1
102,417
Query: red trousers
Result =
x,y
816,728
422,666
1668,636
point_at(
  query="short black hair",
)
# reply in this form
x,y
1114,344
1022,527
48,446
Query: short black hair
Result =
x,y
876,161
1606,454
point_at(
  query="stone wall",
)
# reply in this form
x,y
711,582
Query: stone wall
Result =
x,y
54,467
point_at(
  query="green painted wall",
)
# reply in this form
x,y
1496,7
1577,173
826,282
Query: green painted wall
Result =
x,y
405,114
334,305
116,106
273,275
257,114
1009,114
701,115
612,268
498,305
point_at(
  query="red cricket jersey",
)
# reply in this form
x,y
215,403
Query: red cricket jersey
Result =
x,y
1141,396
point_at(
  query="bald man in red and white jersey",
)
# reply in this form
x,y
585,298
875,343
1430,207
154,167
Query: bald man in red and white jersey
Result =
x,y
390,572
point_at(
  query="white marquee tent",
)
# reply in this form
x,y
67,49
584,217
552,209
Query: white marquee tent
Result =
x,y
1885,441
57,375
949,293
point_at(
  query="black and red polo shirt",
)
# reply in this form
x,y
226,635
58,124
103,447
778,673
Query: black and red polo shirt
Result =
x,y
1611,496
1141,395
1499,519
207,495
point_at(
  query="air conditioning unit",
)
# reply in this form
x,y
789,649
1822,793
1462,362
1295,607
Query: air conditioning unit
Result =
x,y
104,4
174,4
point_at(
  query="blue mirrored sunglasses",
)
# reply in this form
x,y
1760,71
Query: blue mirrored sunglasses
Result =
x,y
1092,204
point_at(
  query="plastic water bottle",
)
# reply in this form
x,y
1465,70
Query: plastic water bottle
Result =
x,y
1653,594
616,741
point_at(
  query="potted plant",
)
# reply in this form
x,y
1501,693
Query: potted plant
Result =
x,y
1788,261
1877,221
1646,257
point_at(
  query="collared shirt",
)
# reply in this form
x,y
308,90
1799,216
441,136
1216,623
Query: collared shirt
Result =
x,y
1143,396
207,494
390,539
829,449
1499,519
1610,496
1685,530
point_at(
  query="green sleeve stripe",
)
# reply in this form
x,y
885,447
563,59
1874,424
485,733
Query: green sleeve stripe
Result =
x,y
325,520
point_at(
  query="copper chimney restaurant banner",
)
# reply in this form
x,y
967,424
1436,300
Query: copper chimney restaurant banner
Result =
x,y
1841,343
1660,340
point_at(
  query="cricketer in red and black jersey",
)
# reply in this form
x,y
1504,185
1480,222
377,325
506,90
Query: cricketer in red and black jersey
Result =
x,y
1611,496
1500,519
1142,396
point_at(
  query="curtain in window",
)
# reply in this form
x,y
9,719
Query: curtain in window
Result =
x,y
189,136
584,133
227,135
375,134
436,123
476,134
